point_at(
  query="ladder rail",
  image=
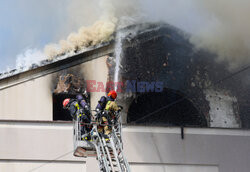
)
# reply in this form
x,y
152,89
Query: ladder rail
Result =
x,y
100,158
121,151
115,153
101,152
108,153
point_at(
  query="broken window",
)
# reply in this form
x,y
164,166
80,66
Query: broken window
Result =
x,y
60,114
68,86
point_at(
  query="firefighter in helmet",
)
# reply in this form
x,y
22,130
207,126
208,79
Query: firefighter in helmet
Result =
x,y
79,108
109,115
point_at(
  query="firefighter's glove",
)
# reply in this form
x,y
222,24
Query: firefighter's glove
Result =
x,y
120,108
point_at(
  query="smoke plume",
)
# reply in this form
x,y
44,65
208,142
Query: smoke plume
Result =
x,y
110,11
28,57
227,33
221,27
86,36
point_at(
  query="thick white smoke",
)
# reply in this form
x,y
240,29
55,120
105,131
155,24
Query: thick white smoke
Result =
x,y
221,27
28,57
227,33
110,11
86,36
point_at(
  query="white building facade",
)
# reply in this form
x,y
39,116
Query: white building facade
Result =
x,y
30,140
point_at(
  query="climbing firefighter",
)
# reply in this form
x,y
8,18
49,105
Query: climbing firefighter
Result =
x,y
108,109
79,108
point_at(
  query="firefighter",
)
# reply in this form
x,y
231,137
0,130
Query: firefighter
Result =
x,y
79,108
100,113
101,104
84,104
109,116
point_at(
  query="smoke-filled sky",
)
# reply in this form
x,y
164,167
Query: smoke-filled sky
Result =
x,y
31,24
27,26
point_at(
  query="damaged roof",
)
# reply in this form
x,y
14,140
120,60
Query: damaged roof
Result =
x,y
49,61
132,29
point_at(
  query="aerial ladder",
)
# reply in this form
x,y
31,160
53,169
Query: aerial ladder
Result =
x,y
108,150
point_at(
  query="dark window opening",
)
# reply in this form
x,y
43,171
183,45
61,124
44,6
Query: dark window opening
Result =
x,y
60,114
161,109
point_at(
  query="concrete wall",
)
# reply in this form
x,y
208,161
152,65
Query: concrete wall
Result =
x,y
96,70
27,101
29,145
223,112
32,99
225,149
173,168
25,166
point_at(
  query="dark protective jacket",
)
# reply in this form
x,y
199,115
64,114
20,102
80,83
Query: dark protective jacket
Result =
x,y
77,110
101,103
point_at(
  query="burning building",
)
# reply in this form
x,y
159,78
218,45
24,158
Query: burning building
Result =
x,y
166,85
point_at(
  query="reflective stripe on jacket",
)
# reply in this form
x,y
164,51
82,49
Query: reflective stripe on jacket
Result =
x,y
74,109
111,106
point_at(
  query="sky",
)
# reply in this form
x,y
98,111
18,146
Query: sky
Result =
x,y
32,24
28,24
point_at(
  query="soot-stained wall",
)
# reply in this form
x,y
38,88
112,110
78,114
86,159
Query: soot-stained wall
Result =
x,y
162,53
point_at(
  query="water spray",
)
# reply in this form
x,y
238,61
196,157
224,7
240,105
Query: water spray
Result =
x,y
118,54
